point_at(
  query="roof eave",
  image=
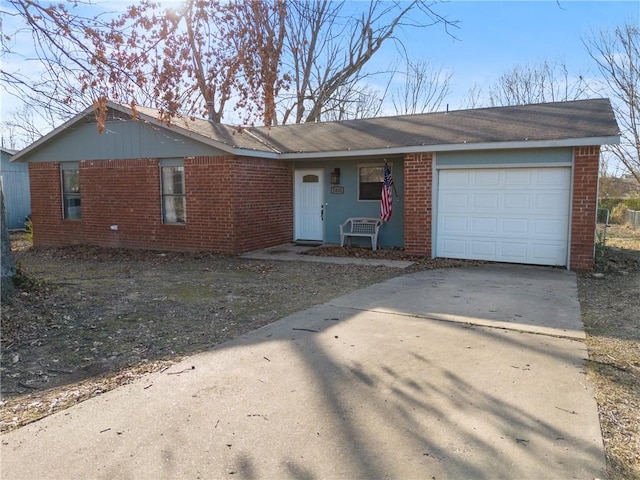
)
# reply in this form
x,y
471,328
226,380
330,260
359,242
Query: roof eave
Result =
x,y
568,142
18,157
246,152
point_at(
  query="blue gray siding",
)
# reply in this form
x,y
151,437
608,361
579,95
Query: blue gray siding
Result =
x,y
534,156
120,140
15,185
339,207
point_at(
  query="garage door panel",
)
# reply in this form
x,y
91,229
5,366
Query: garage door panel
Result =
x,y
551,227
483,250
486,178
549,201
452,224
456,178
452,247
521,177
550,178
487,200
514,251
515,226
516,201
455,201
549,253
518,215
484,225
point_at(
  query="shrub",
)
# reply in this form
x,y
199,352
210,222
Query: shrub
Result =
x,y
633,203
611,203
619,213
28,226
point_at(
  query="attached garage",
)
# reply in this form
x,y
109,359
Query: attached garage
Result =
x,y
512,184
515,214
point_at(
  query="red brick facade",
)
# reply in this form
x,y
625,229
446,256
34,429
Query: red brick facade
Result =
x,y
584,207
418,175
46,207
233,205
418,182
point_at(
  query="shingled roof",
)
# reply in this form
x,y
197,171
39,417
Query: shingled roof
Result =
x,y
585,119
574,123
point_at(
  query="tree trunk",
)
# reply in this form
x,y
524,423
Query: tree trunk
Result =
x,y
8,265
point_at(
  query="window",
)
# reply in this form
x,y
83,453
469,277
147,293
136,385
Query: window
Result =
x,y
71,191
370,182
174,204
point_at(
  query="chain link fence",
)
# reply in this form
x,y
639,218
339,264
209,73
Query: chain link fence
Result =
x,y
633,218
602,223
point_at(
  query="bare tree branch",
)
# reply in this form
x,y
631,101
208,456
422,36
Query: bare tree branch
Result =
x,y
424,89
617,54
545,82
206,56
328,50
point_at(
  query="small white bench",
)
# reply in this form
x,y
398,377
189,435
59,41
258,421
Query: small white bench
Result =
x,y
361,227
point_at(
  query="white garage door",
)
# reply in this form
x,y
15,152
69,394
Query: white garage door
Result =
x,y
517,215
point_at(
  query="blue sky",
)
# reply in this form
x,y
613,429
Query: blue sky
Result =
x,y
493,37
496,36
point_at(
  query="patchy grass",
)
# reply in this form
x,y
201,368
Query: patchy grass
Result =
x,y
623,236
73,283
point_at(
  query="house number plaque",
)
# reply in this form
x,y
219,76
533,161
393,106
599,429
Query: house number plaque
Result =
x,y
337,189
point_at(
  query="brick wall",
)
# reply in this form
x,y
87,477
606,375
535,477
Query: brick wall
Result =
x,y
233,205
418,182
263,195
418,176
125,193
46,207
584,207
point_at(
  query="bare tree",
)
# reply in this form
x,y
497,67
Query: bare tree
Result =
x,y
193,59
70,72
545,82
207,56
354,100
617,54
423,90
473,99
25,125
328,48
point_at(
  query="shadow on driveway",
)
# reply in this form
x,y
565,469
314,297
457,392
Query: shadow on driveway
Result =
x,y
371,385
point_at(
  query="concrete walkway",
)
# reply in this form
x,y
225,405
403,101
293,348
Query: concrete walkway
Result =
x,y
444,374
298,253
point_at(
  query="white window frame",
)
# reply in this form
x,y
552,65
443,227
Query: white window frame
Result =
x,y
369,165
74,212
164,196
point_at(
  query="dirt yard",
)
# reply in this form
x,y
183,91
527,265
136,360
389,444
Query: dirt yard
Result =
x,y
611,315
85,320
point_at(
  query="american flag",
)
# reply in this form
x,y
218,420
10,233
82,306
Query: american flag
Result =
x,y
386,200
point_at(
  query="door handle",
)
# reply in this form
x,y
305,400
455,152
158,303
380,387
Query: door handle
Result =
x,y
322,213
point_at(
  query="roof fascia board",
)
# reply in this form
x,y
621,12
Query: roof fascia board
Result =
x,y
570,142
42,140
243,152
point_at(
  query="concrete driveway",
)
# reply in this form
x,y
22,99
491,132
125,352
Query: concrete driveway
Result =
x,y
445,374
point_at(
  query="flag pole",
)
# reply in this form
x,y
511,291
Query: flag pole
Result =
x,y
394,183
